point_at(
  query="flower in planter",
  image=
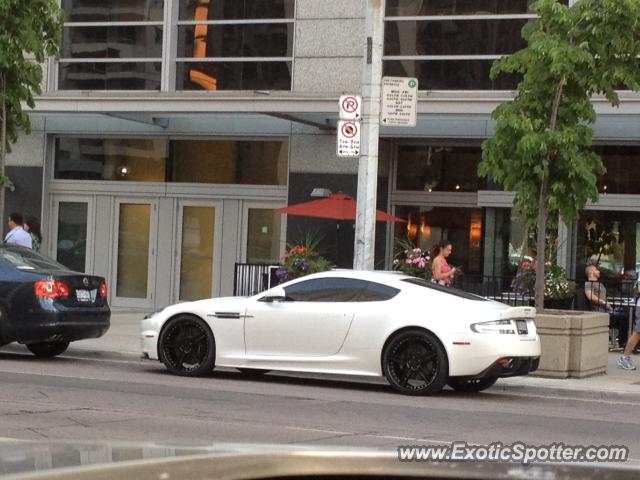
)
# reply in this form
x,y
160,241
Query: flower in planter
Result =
x,y
412,260
556,284
301,260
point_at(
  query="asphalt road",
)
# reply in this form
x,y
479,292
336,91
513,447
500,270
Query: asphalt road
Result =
x,y
88,399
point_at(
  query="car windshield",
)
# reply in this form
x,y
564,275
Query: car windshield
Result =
x,y
451,291
25,259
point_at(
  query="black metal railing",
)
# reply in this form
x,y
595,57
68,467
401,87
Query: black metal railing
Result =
x,y
252,278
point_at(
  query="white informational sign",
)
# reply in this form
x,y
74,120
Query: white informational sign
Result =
x,y
348,139
350,107
399,101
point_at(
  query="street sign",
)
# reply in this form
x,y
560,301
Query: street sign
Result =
x,y
350,107
348,139
399,101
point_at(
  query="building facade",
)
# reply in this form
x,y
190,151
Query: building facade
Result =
x,y
170,130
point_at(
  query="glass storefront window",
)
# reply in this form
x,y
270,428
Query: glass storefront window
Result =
x,y
622,175
228,161
214,76
426,226
109,75
196,256
122,41
459,7
235,10
453,37
134,230
140,160
113,10
437,168
160,160
610,239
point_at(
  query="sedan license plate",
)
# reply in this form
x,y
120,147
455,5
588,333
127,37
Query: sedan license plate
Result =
x,y
522,327
84,296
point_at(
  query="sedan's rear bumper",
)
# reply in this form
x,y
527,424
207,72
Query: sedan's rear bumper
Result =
x,y
67,325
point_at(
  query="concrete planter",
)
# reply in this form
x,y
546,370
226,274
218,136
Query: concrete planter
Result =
x,y
574,344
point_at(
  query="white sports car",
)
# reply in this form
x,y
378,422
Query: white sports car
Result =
x,y
418,335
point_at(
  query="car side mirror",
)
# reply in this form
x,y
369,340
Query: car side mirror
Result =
x,y
276,294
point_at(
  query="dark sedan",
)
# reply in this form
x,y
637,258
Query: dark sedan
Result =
x,y
44,305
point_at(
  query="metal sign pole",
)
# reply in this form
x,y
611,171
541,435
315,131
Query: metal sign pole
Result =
x,y
365,235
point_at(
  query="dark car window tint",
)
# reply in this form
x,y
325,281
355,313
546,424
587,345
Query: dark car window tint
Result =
x,y
330,289
28,260
340,290
451,291
376,292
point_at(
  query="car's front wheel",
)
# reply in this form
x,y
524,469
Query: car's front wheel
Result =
x,y
186,346
47,349
415,363
471,385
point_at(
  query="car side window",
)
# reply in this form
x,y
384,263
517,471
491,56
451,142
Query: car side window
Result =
x,y
376,292
328,289
338,289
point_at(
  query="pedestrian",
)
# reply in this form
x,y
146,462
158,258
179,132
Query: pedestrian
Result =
x,y
17,235
32,226
625,359
596,293
441,272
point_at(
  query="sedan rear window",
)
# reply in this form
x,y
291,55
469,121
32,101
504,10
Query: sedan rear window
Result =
x,y
28,260
451,291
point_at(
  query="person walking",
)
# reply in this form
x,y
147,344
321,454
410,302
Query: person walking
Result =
x,y
625,361
441,272
32,227
17,234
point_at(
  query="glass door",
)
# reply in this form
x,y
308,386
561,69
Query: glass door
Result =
x,y
199,250
135,246
263,241
71,232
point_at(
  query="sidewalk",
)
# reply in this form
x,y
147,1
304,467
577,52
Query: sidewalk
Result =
x,y
123,340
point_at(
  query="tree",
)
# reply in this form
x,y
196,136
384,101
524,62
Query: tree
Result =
x,y
30,31
541,147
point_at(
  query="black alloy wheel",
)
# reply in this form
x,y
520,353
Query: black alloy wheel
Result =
x,y
253,372
471,385
47,349
415,363
186,346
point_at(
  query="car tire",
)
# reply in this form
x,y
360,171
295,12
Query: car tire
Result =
x,y
414,362
186,346
471,385
253,372
47,349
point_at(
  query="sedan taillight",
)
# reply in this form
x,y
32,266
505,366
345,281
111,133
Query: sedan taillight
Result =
x,y
51,289
102,291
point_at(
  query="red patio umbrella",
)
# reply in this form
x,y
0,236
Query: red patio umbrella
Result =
x,y
338,206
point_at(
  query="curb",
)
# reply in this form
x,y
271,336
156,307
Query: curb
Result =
x,y
554,391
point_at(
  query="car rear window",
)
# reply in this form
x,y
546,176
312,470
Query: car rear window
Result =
x,y
28,260
441,288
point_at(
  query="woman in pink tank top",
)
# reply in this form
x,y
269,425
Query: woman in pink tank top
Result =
x,y
441,272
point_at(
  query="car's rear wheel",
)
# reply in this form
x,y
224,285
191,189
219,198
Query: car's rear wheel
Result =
x,y
471,385
186,346
415,363
253,372
47,349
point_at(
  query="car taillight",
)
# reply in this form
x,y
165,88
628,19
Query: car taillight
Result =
x,y
51,289
102,291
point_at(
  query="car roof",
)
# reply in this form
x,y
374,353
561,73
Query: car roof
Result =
x,y
383,276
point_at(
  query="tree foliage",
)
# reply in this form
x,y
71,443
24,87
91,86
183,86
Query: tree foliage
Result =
x,y
30,31
541,147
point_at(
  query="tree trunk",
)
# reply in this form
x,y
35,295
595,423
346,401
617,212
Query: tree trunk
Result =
x,y
542,208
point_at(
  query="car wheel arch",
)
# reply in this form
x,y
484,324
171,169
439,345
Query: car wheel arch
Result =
x,y
402,330
186,314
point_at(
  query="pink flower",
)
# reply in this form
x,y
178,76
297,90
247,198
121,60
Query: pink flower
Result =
x,y
408,261
417,250
422,262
